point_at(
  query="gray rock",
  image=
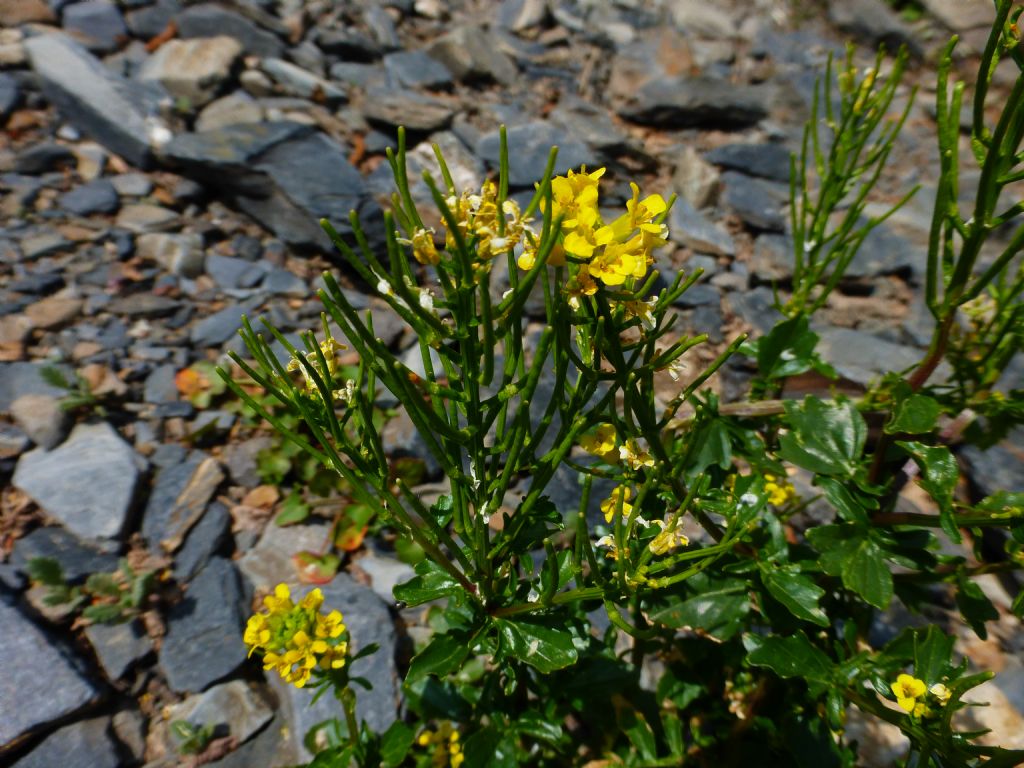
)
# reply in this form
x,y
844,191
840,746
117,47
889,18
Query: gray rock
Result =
x,y
530,144
873,22
207,536
132,184
401,439
151,20
269,561
237,708
179,498
296,81
142,305
10,95
415,69
160,386
40,698
117,113
231,272
97,196
416,112
179,254
282,174
385,572
773,258
204,631
692,102
699,295
88,483
696,180
97,24
44,157
860,357
769,161
119,646
85,744
130,728
688,226
36,245
237,107
213,330
241,460
884,252
756,307
695,17
77,559
42,419
759,203
195,69
17,379
281,282
13,442
999,467
209,19
520,15
368,621
381,27
471,53
144,217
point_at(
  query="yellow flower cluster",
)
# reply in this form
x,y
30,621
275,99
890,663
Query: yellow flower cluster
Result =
x,y
780,491
668,539
445,741
618,501
295,638
910,692
330,349
612,253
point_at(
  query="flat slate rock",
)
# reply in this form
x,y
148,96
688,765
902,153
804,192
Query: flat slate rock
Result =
x,y
111,109
769,161
97,196
87,483
77,559
23,378
209,19
237,708
696,102
688,226
118,646
179,498
85,744
203,643
44,683
861,357
758,202
529,146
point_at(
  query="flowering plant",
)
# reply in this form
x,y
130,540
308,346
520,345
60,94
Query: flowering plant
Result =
x,y
623,568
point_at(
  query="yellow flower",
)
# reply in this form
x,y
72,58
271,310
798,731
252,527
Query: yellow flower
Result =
x,y
940,692
294,639
908,690
581,285
575,198
780,492
600,442
617,502
608,542
668,539
635,455
330,349
445,743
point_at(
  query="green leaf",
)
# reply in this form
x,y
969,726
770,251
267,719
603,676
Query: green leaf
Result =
x,y
824,437
848,551
293,510
940,475
395,744
442,510
430,583
975,607
103,584
787,350
1002,503
851,505
715,447
633,724
538,727
797,592
718,609
916,415
542,647
104,613
443,655
45,570
932,650
789,656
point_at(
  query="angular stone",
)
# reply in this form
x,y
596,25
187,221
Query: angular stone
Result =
x,y
861,357
114,111
269,562
25,651
206,538
296,81
232,272
36,245
14,13
43,157
756,307
97,24
688,226
194,69
85,744
519,15
149,21
769,161
132,184
17,379
179,499
873,22
42,419
209,19
88,483
53,311
238,709
77,559
695,17
368,621
97,196
232,109
213,330
415,69
144,217
695,102
530,145
416,112
10,95
143,305
179,254
695,180
759,203
471,53
119,646
999,467
203,643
